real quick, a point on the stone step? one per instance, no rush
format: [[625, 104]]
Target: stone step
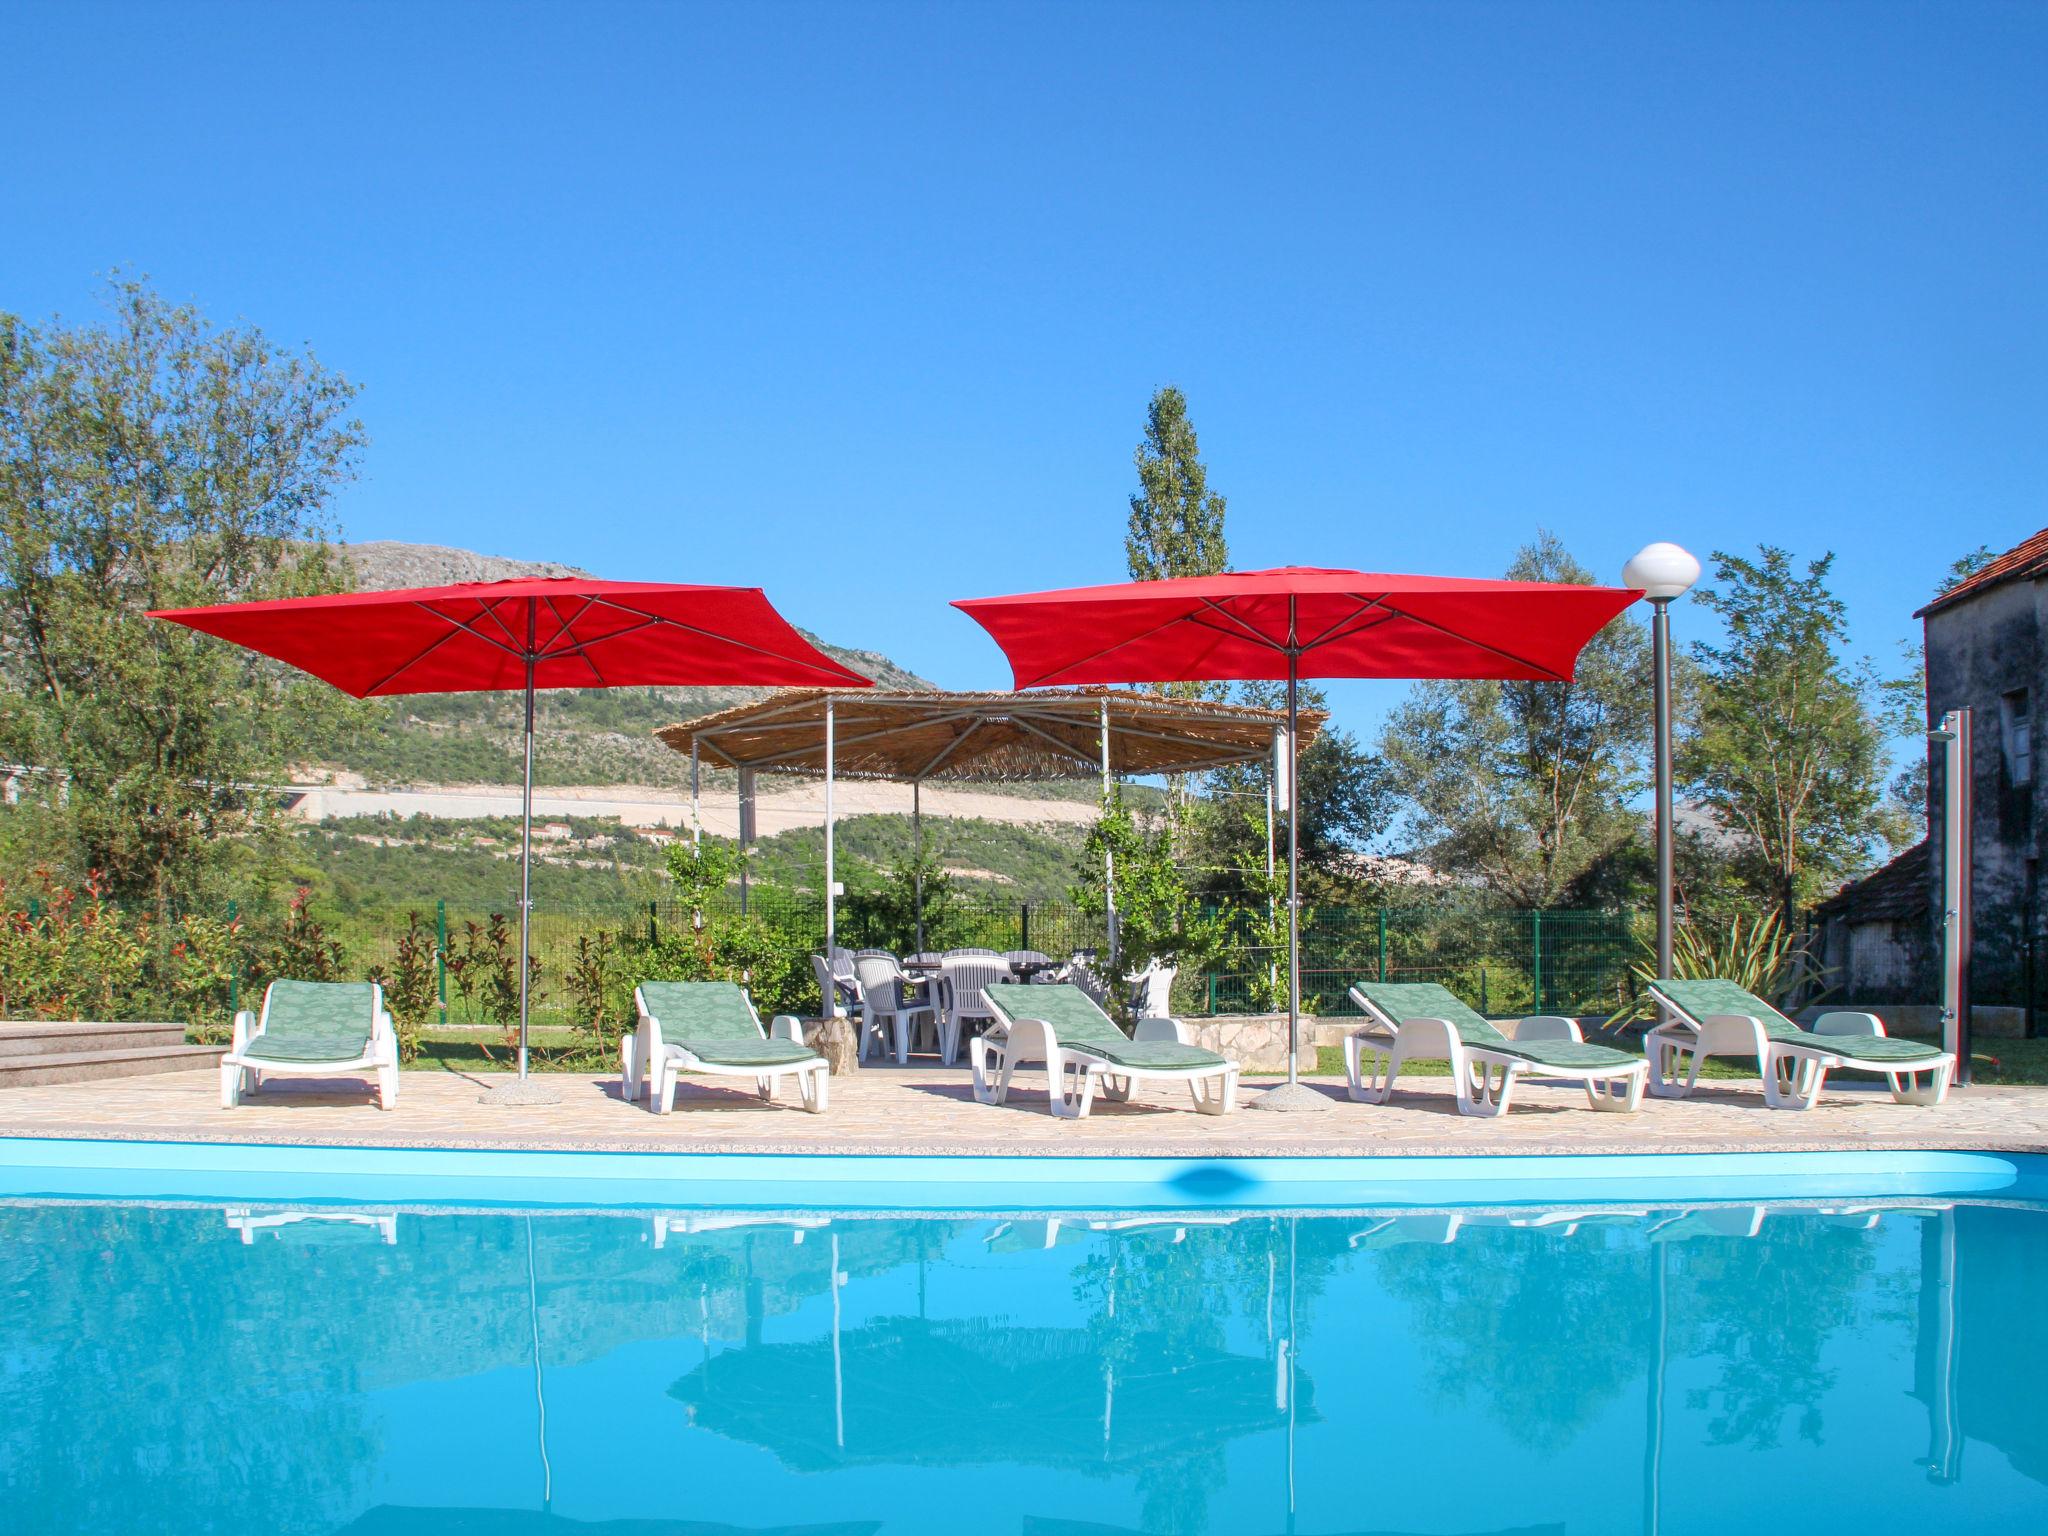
[[41, 1037], [88, 1066]]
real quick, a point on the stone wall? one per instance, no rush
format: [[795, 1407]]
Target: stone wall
[[1980, 652], [1258, 1041], [1987, 1023]]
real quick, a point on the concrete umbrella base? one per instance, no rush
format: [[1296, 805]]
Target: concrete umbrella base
[[509, 1095], [1293, 1099]]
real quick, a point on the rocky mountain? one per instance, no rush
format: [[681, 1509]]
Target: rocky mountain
[[584, 737], [381, 564]]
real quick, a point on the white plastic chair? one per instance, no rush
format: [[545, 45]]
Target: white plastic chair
[[884, 1003], [967, 979]]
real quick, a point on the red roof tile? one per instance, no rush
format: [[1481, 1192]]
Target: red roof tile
[[2027, 558]]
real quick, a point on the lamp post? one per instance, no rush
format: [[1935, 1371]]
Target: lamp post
[[1662, 573]]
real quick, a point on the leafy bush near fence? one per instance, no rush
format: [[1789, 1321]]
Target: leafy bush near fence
[[411, 983], [747, 950], [67, 952]]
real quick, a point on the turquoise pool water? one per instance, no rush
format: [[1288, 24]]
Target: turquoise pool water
[[1835, 1364]]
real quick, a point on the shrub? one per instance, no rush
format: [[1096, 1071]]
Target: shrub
[[409, 984], [600, 993], [739, 949], [298, 949], [67, 954], [489, 971], [1758, 954], [205, 954]]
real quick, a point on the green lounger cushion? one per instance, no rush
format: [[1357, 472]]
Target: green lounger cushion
[[1696, 999], [714, 1022], [738, 1053], [1405, 1000], [316, 1021], [1082, 1027]]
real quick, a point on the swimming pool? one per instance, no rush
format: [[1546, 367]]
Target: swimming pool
[[1666, 1365]]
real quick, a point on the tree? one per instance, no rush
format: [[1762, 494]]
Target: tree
[[1907, 697], [1176, 529], [1176, 526], [1526, 785], [1347, 802], [158, 461], [1157, 917], [1788, 744], [1961, 570]]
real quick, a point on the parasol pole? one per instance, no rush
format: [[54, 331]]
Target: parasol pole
[[526, 845], [1293, 855], [1294, 1096]]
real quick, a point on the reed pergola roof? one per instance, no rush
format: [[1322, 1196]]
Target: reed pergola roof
[[993, 737]]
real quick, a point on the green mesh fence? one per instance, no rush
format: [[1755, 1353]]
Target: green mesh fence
[[1499, 962], [1502, 963]]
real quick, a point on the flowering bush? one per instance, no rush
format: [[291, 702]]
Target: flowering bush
[[66, 954], [409, 982]]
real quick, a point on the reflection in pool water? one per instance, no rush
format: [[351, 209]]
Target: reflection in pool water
[[1814, 1367]]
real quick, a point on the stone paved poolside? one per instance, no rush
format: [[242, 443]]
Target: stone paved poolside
[[931, 1110]]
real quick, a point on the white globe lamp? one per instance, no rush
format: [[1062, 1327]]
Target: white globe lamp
[[1661, 572]]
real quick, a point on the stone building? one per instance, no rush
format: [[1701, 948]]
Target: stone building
[[1876, 937], [1985, 651]]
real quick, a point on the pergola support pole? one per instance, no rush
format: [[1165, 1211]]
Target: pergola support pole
[[831, 885], [1108, 854], [917, 852], [747, 830], [696, 809]]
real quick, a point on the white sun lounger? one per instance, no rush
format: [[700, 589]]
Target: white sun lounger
[[1421, 1021], [1060, 1025], [711, 1027], [1719, 1018], [313, 1029]]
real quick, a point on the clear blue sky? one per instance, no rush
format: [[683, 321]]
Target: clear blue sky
[[863, 303]]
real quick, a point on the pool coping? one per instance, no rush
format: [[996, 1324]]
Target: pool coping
[[273, 1173], [1140, 1144]]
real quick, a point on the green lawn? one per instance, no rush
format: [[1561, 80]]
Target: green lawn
[[1993, 1061], [478, 1050]]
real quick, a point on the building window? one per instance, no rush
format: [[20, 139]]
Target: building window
[[2016, 727]]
